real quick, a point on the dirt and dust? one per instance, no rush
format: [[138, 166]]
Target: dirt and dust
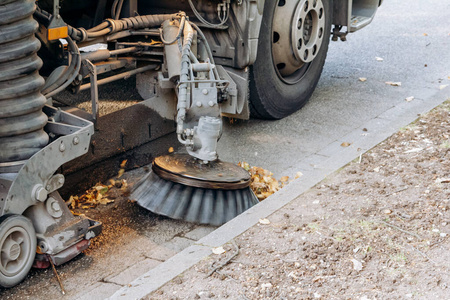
[[377, 229]]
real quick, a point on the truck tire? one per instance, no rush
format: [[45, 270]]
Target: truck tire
[[293, 45]]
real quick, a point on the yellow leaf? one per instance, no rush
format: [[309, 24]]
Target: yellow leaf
[[345, 144], [362, 79], [171, 150], [124, 162], [121, 171]]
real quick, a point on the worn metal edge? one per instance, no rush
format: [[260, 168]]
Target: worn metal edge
[[181, 262]]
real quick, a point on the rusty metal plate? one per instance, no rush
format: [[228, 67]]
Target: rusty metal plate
[[187, 170]]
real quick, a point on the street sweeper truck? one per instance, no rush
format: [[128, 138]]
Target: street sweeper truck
[[194, 61]]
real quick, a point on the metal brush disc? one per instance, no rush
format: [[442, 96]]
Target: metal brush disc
[[190, 171]]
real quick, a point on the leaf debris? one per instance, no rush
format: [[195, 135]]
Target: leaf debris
[[394, 83], [96, 195], [262, 181]]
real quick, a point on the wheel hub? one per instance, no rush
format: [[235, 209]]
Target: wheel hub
[[14, 251], [11, 260], [187, 170], [298, 31]]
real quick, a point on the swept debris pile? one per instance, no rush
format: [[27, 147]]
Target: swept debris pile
[[263, 183], [98, 194]]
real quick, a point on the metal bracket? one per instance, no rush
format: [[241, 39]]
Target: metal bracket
[[92, 69], [73, 138]]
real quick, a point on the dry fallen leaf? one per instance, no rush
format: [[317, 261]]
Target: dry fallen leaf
[[122, 165], [264, 221], [298, 175], [362, 79], [218, 250], [409, 99], [379, 59], [345, 144], [425, 34], [284, 179], [443, 86], [121, 171], [393, 83], [357, 265], [171, 150]]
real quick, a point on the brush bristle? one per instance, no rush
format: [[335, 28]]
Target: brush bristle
[[198, 205]]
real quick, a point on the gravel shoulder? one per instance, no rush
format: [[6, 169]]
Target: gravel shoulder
[[377, 228]]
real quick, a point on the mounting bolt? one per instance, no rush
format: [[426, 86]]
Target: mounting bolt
[[53, 208], [205, 92], [39, 193], [56, 207], [199, 104], [43, 246], [76, 140], [211, 103], [62, 147]]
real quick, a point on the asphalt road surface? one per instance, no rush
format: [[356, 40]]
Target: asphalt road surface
[[413, 40]]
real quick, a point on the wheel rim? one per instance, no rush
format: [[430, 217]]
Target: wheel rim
[[15, 248], [298, 29]]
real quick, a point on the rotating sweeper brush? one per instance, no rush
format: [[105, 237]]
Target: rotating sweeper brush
[[196, 187], [182, 187]]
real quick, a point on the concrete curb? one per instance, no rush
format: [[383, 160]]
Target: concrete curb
[[334, 157]]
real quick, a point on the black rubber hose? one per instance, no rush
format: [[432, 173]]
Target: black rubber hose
[[111, 26], [74, 69]]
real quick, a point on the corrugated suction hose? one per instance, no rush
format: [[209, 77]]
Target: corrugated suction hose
[[21, 117]]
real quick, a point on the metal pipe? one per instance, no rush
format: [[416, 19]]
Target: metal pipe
[[119, 76], [104, 54]]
